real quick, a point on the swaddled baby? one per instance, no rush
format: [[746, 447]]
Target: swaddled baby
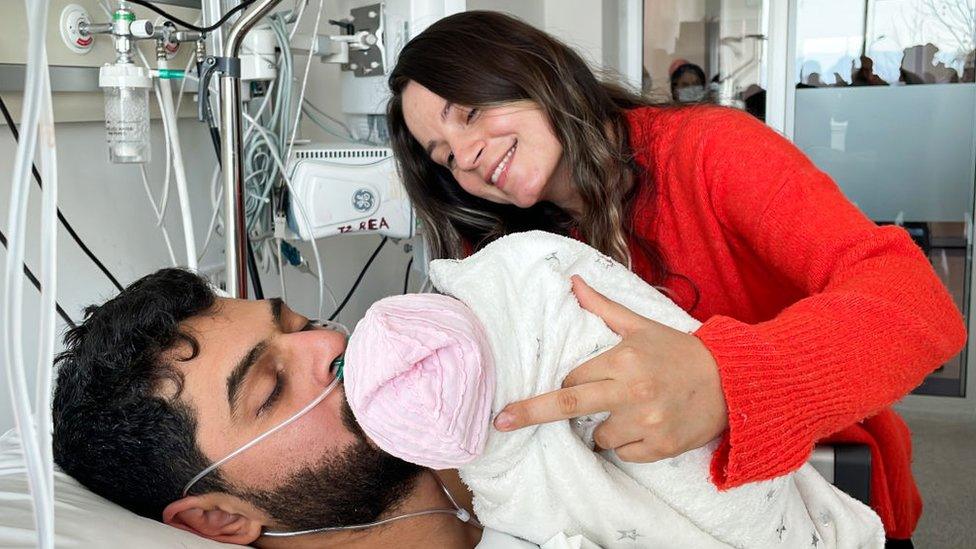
[[426, 373]]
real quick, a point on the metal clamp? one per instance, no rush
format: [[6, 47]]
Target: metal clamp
[[228, 66]]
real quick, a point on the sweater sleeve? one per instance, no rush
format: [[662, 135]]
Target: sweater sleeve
[[875, 319]]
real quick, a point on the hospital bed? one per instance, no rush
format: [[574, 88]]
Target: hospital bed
[[85, 520]]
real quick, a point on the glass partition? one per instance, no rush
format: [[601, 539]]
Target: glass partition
[[706, 50], [886, 104]]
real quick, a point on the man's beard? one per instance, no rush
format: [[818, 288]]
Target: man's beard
[[351, 488]]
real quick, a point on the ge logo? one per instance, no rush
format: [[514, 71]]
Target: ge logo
[[363, 200]]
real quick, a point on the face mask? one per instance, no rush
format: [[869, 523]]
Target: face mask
[[337, 365], [691, 94]]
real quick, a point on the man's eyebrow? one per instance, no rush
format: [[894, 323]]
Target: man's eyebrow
[[239, 373], [444, 111]]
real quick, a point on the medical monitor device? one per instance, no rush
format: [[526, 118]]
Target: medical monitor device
[[347, 189]]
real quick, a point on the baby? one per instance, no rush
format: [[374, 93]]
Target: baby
[[426, 373]]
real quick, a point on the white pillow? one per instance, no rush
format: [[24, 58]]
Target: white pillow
[[81, 518]]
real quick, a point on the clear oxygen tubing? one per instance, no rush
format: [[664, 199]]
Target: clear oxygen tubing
[[169, 115], [461, 513], [47, 150], [34, 87]]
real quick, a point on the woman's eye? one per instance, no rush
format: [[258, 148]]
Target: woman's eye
[[471, 114]]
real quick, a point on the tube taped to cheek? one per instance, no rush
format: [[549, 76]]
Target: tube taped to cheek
[[420, 379]]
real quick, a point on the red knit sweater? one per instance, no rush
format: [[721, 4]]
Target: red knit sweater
[[818, 319]]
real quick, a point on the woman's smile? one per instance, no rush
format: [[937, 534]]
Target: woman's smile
[[500, 173]]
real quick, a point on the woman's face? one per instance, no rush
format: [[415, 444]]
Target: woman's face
[[507, 154]]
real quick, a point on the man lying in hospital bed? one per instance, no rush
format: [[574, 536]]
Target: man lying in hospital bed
[[166, 380]]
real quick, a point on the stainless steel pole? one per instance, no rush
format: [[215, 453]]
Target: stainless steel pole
[[211, 11], [235, 243]]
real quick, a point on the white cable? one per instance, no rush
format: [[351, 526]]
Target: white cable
[[161, 211], [145, 184], [298, 19], [47, 151], [163, 92], [215, 202], [164, 202], [169, 116], [305, 218], [301, 93], [186, 76], [264, 104], [34, 88], [281, 272]]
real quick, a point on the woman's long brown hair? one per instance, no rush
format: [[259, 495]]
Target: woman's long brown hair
[[484, 59]]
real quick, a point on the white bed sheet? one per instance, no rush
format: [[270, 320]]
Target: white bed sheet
[[81, 518]]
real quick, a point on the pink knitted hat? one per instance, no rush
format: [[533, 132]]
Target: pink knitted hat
[[419, 378]]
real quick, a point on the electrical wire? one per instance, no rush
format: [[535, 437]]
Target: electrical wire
[[308, 64], [67, 226], [312, 116], [230, 13], [327, 116], [406, 276], [359, 278], [302, 213], [211, 228], [37, 284], [301, 12]]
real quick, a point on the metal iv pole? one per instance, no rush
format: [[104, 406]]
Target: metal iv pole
[[235, 233]]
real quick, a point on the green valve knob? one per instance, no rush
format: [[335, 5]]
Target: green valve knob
[[171, 74]]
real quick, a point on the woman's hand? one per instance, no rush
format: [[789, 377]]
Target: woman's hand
[[661, 387]]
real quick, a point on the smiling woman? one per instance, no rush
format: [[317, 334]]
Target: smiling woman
[[814, 319], [534, 140]]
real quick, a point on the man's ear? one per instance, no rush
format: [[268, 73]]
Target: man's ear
[[216, 516]]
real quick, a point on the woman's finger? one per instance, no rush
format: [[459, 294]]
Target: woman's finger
[[637, 452], [615, 432], [618, 318], [598, 368], [559, 405]]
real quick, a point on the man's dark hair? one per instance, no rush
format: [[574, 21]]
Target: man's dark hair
[[113, 431]]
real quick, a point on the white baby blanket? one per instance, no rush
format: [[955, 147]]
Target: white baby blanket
[[540, 481]]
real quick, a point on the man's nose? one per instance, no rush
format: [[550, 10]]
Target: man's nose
[[330, 347]]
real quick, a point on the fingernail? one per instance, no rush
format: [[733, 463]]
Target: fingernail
[[504, 421]]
